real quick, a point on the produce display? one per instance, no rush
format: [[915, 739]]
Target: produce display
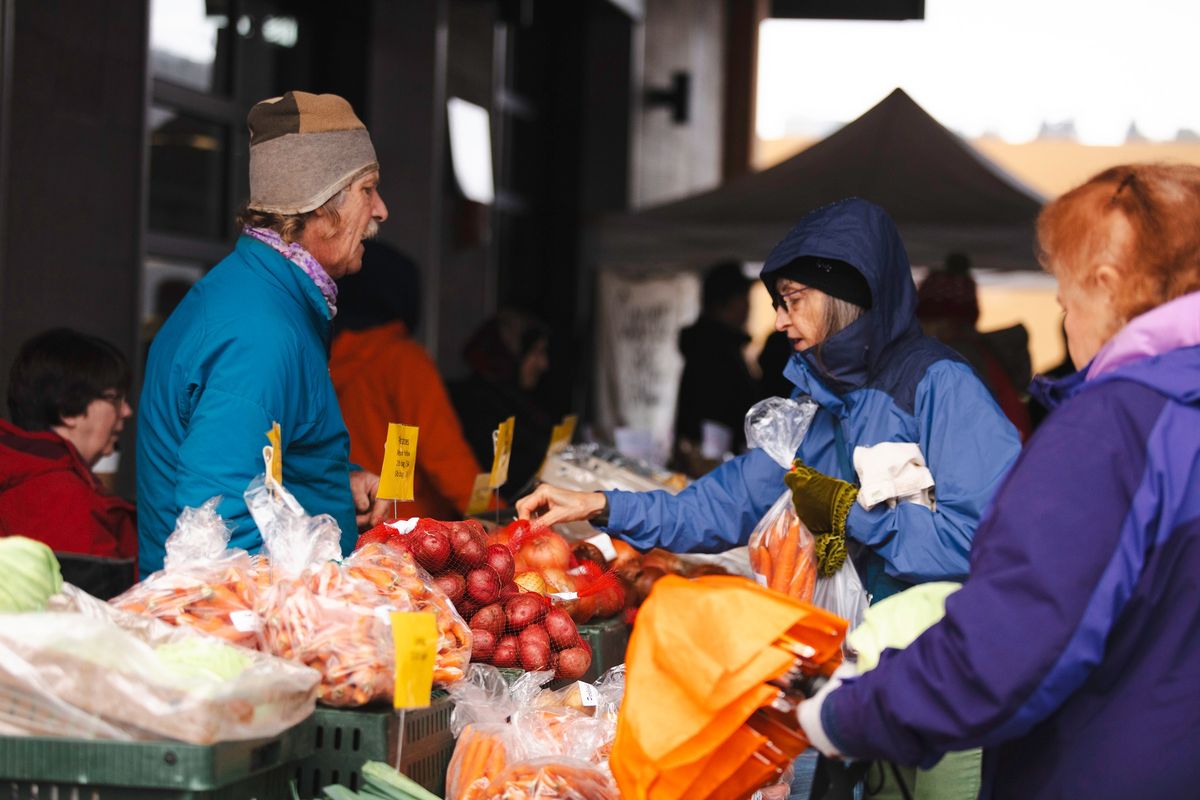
[[522, 741], [85, 668], [512, 624], [298, 601]]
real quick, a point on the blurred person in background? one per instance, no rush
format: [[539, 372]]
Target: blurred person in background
[[383, 375], [771, 363], [507, 357], [67, 399], [248, 345], [1070, 652], [948, 308], [716, 388]]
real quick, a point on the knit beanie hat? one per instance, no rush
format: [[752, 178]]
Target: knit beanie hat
[[949, 293], [831, 276], [304, 148]]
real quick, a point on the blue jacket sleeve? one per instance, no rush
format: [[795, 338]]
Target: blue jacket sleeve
[[969, 446], [1054, 564], [715, 513]]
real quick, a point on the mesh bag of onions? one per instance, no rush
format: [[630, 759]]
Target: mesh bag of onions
[[510, 626]]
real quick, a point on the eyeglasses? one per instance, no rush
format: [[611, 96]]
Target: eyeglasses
[[785, 301], [114, 397]]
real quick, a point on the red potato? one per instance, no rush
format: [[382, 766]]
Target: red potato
[[453, 584], [534, 656], [431, 549], [523, 610], [505, 654], [573, 663], [483, 585], [534, 634], [471, 553], [561, 629], [509, 589], [500, 558], [490, 618], [483, 644]]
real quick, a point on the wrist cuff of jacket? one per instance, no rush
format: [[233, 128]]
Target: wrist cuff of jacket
[[601, 519]]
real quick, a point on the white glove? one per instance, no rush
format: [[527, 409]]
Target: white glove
[[809, 714]]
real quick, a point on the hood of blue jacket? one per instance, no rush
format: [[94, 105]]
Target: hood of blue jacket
[[864, 236]]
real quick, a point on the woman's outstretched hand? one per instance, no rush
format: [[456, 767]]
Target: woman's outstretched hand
[[551, 505]]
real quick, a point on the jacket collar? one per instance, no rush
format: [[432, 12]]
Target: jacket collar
[[1169, 327], [291, 280]]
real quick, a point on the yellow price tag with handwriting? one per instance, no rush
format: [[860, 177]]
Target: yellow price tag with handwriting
[[504, 441], [415, 638], [481, 494], [399, 463], [560, 437], [275, 437]]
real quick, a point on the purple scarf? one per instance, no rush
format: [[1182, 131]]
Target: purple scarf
[[301, 258]]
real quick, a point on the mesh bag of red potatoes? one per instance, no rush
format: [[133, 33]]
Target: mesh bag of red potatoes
[[510, 627]]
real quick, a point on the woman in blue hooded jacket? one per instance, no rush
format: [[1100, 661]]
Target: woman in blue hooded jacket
[[844, 294]]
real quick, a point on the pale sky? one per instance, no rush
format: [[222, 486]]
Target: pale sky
[[999, 66]]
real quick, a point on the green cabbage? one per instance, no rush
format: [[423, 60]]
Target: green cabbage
[[197, 659], [31, 574]]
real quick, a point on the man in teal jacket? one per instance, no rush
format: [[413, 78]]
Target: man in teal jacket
[[248, 346]]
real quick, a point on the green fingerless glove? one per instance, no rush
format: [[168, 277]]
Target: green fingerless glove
[[822, 503]]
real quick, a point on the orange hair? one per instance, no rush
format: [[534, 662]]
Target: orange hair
[[1141, 219]]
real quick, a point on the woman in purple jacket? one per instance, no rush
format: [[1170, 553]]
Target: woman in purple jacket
[[1072, 653]]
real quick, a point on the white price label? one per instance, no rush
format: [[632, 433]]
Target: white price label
[[244, 621], [603, 543], [762, 579], [588, 694], [565, 596]]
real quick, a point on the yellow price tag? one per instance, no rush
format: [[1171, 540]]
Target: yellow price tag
[[560, 437], [275, 437], [415, 638], [481, 494], [399, 463], [504, 440]]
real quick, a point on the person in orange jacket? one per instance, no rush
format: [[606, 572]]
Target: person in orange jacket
[[382, 375]]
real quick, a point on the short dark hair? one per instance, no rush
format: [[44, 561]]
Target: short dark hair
[[723, 282], [58, 373]]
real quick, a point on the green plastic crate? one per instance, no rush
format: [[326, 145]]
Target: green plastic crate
[[37, 768], [344, 739], [609, 640]]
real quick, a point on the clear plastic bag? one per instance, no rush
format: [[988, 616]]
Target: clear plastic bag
[[86, 668], [334, 616], [781, 549], [520, 740], [844, 595], [203, 584]]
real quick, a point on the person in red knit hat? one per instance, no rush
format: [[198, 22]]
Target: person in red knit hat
[[948, 308], [67, 401]]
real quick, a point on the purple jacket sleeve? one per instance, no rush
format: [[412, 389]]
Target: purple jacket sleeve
[[1053, 565]]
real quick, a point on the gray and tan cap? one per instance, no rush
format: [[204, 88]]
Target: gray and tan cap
[[304, 148]]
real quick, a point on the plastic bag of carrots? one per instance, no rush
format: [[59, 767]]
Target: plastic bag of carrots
[[336, 616], [203, 584], [781, 548], [552, 778], [782, 551]]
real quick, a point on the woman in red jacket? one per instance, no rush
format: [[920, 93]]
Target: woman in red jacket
[[67, 400]]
